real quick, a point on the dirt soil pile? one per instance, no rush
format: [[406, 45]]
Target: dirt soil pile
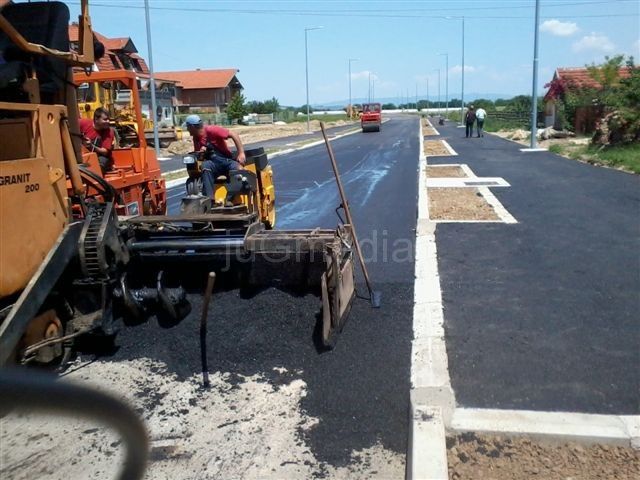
[[435, 148], [462, 204], [436, 171], [472, 456]]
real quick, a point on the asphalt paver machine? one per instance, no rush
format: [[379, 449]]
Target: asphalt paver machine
[[71, 266]]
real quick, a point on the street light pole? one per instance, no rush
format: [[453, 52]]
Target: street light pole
[[153, 114], [462, 99], [350, 104], [446, 55], [534, 93], [306, 69], [427, 95], [462, 88], [438, 70]]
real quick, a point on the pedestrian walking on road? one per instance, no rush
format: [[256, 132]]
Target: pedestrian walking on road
[[480, 116], [469, 120]]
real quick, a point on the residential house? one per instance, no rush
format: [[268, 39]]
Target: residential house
[[122, 54], [204, 90], [574, 80]]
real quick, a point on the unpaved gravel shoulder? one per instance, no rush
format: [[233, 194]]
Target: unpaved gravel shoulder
[[488, 457]]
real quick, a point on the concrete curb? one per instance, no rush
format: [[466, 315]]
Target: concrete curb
[[432, 400], [179, 181], [427, 430], [621, 430]]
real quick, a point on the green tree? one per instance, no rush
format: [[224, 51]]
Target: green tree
[[390, 106], [484, 103], [607, 75], [236, 108], [271, 106]]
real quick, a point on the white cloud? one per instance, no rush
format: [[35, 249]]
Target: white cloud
[[364, 75], [467, 69], [558, 28], [594, 42]]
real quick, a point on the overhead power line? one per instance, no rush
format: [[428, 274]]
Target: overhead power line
[[364, 13]]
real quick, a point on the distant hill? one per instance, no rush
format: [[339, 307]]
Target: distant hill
[[338, 104]]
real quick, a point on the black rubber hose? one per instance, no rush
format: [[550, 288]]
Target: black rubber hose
[[30, 390]]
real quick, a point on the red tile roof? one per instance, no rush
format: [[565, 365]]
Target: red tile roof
[[193, 79], [576, 78], [110, 60], [581, 78]]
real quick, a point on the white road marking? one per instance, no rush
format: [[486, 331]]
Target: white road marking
[[164, 159]]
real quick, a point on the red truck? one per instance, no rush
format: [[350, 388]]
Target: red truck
[[371, 117]]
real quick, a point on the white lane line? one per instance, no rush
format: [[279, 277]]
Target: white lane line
[[611, 429], [462, 182], [432, 399], [164, 159], [491, 199]]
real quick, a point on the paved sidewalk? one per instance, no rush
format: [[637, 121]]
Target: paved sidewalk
[[544, 314]]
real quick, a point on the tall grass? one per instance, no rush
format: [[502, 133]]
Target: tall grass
[[624, 156]]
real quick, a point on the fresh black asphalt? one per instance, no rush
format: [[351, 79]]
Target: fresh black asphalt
[[544, 314], [360, 390]]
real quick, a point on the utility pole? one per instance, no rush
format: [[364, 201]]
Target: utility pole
[[153, 114], [350, 104], [438, 70], [416, 96], [369, 101], [427, 94], [446, 55], [534, 93], [306, 70], [462, 99]]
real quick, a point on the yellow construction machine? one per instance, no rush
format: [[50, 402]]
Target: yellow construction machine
[[119, 101], [69, 266]]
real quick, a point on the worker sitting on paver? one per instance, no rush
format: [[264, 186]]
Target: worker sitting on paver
[[219, 161], [98, 137]]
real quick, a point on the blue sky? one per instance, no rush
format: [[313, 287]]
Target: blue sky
[[397, 41]]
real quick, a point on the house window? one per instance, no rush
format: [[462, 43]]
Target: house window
[[114, 61], [125, 60]]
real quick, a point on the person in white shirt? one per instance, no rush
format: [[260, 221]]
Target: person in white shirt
[[480, 116]]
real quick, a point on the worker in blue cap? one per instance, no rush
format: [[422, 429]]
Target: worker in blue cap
[[213, 139]]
